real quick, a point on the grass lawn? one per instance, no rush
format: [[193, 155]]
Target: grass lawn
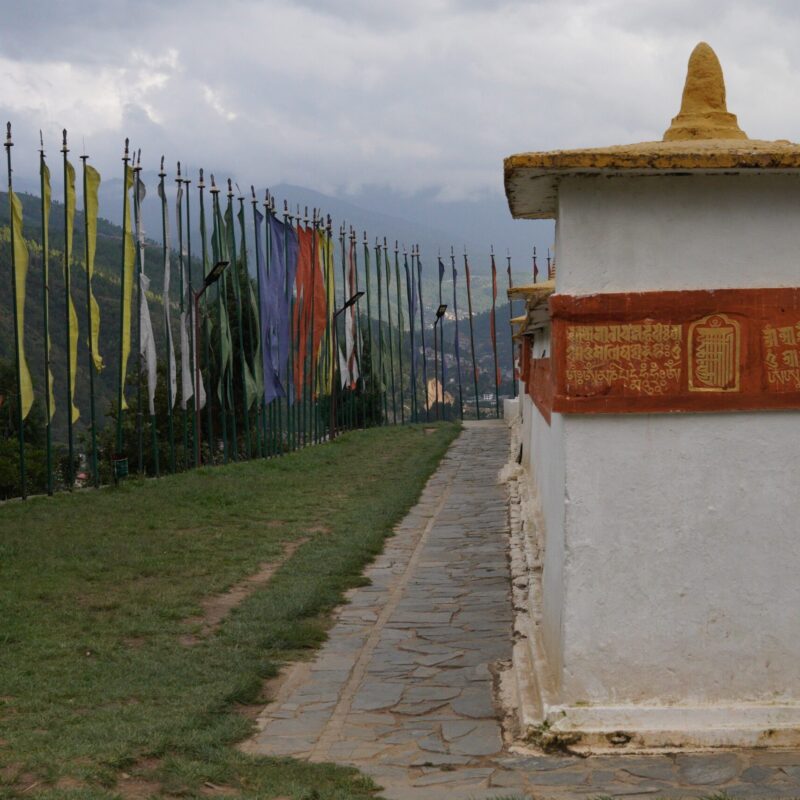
[[101, 697]]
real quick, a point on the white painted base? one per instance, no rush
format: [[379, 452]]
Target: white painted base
[[544, 722], [674, 727]]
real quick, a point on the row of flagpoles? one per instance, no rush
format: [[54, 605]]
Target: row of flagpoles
[[264, 389]]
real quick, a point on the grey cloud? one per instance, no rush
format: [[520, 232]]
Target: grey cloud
[[419, 96]]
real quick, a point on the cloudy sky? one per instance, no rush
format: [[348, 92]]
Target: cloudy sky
[[348, 95]]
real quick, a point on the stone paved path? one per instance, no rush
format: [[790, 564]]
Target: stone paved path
[[404, 688]]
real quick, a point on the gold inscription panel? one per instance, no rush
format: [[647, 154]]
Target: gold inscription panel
[[676, 351], [639, 358], [781, 355]]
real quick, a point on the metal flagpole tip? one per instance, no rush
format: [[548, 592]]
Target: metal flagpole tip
[[161, 172], [63, 138], [201, 183], [9, 143], [125, 154], [178, 178]]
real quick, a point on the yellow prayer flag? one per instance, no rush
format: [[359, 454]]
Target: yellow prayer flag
[[72, 333], [92, 186], [129, 258], [21, 269], [46, 196], [324, 378]]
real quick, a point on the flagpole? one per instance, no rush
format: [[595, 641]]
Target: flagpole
[[139, 421], [274, 405], [20, 431], [312, 360], [291, 403], [381, 377], [182, 310], [359, 339], [381, 381], [493, 321], [45, 203], [263, 449], [472, 335], [193, 357], [440, 377], [234, 437], [237, 293], [137, 215], [422, 335], [166, 303], [331, 352], [388, 271], [67, 283], [411, 322], [456, 345], [304, 360], [122, 370], [367, 397], [399, 330], [510, 317], [221, 300], [253, 327], [204, 255], [95, 474], [436, 404], [344, 316]]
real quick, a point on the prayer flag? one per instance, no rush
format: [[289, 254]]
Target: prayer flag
[[129, 259], [46, 197], [92, 187], [171, 366], [72, 326], [21, 270], [147, 345]]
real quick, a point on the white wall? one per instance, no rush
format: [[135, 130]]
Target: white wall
[[543, 456], [682, 558], [628, 234], [672, 571]]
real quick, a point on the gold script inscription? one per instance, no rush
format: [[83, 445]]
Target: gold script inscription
[[628, 358], [781, 343], [715, 354]]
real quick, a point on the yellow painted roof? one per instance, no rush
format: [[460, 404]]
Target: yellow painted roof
[[703, 137]]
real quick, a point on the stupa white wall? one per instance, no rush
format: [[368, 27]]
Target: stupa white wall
[[646, 233], [668, 609], [672, 541]]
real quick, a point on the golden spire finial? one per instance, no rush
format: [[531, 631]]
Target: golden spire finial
[[704, 113]]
